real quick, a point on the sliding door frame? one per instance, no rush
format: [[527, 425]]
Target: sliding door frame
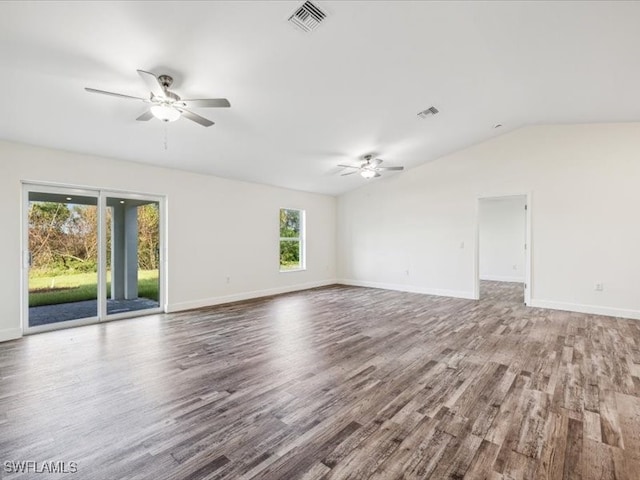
[[101, 198]]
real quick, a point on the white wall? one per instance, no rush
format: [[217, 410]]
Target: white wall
[[416, 231], [217, 228], [502, 233]]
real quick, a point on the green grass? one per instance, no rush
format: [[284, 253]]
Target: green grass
[[52, 290]]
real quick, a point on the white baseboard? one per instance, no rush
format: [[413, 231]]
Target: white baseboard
[[10, 334], [408, 288], [591, 309], [499, 278], [237, 297]]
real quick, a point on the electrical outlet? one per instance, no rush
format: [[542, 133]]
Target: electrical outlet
[[228, 279], [406, 272], [515, 267], [599, 287]]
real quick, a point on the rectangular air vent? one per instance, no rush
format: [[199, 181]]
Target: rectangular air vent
[[427, 112], [307, 17]]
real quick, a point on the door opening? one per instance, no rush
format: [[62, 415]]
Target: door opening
[[503, 265]]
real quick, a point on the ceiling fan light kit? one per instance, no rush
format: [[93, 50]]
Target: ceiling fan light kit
[[166, 105], [165, 113]]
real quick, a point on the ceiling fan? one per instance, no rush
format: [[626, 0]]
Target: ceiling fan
[[369, 167], [166, 105]]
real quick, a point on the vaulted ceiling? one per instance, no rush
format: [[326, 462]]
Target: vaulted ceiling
[[304, 102]]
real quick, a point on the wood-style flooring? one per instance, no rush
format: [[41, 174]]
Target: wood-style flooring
[[331, 383]]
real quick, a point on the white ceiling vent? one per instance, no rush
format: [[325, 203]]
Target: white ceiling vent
[[429, 111], [307, 17]]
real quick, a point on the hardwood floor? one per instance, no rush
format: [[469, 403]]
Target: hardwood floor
[[332, 383]]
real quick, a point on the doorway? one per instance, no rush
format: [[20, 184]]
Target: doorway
[[89, 256], [503, 247]]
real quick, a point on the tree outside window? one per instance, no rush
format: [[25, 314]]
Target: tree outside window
[[291, 239]]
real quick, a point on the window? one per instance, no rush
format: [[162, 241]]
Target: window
[[291, 239]]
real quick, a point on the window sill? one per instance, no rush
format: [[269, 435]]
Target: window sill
[[293, 270]]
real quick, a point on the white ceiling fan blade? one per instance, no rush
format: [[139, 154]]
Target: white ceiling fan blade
[[390, 168], [349, 166], [196, 118], [112, 94], [206, 103], [152, 83], [348, 173], [145, 116]]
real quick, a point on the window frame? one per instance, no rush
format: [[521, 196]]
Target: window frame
[[301, 239]]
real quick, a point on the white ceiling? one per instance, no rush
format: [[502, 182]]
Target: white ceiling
[[302, 103]]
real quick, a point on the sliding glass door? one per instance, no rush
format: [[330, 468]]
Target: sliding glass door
[[62, 256], [133, 254], [89, 255]]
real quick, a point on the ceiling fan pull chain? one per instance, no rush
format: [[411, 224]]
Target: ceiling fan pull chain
[[166, 142]]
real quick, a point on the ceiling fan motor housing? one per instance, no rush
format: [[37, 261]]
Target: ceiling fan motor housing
[[165, 80]]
